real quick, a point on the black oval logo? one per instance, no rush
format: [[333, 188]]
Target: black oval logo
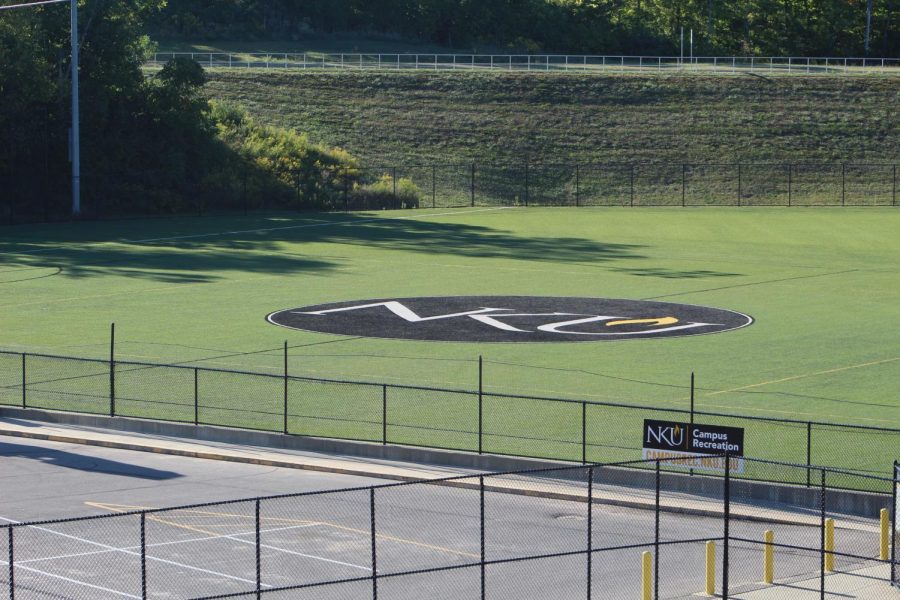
[[510, 319]]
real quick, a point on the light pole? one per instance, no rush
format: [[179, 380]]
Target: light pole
[[76, 120]]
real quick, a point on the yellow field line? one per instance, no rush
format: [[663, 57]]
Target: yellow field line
[[120, 508], [795, 377]]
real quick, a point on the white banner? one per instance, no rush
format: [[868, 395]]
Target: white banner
[[691, 460]]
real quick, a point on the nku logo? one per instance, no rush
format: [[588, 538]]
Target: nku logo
[[509, 319], [664, 436]]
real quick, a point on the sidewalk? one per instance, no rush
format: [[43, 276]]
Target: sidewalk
[[865, 584]]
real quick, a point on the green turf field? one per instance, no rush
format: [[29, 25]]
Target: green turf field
[[823, 285]]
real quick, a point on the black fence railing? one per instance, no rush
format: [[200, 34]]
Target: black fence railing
[[458, 185], [453, 419], [644, 529]]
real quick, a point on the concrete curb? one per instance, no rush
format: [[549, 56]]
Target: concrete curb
[[759, 501]]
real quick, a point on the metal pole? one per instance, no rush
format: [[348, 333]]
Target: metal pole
[[11, 561], [808, 454], [727, 513], [632, 185], [481, 489], [526, 183], [374, 544], [473, 184], [683, 183], [24, 383], [822, 540], [285, 430], [112, 370], [895, 520], [143, 556], [590, 531], [843, 184], [584, 433], [384, 415], [656, 538], [577, 181], [76, 119], [196, 396], [740, 187], [258, 554], [433, 185], [480, 405], [790, 177]]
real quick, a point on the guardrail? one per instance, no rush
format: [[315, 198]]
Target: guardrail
[[538, 63]]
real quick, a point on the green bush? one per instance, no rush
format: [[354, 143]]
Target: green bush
[[382, 194]]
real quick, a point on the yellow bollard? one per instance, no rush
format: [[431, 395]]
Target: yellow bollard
[[710, 568], [885, 534], [829, 545], [769, 561], [647, 579]]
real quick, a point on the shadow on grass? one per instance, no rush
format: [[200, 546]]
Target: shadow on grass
[[201, 250]]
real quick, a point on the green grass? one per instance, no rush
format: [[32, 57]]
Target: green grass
[[821, 284], [413, 118]]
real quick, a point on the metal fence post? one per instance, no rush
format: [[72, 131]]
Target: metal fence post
[[196, 396], [384, 415], [895, 522], [433, 185], [258, 554], [727, 513], [584, 433], [374, 543], [577, 178], [632, 185], [822, 540], [590, 532], [473, 184], [24, 384], [843, 184], [11, 561], [286, 380], [894, 188], [740, 184], [683, 183], [480, 405], [790, 178], [112, 370], [481, 492], [808, 454], [144, 556], [526, 183], [656, 537]]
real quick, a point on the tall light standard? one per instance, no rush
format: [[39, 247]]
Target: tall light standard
[[76, 120]]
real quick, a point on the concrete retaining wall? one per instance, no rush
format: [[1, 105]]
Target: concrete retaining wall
[[774, 495]]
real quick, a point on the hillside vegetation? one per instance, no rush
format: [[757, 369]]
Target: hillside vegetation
[[385, 118]]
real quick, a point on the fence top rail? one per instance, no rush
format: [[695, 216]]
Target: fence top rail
[[860, 474], [684, 411], [747, 57]]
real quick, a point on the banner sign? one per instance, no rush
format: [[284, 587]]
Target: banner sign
[[693, 446]]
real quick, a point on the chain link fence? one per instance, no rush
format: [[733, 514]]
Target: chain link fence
[[474, 184], [646, 529], [462, 420], [538, 63]]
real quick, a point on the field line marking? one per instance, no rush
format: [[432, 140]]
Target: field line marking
[[318, 223], [70, 580], [214, 535], [805, 375], [323, 523], [132, 553]]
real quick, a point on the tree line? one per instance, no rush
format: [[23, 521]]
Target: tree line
[[724, 27], [151, 142]]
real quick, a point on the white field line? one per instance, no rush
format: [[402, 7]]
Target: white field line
[[318, 223], [75, 581], [131, 553], [234, 537]]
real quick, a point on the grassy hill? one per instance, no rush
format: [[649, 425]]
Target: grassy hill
[[458, 117]]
